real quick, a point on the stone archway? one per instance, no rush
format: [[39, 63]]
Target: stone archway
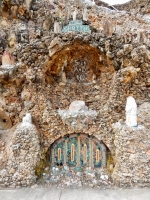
[[79, 62], [78, 151], [78, 160]]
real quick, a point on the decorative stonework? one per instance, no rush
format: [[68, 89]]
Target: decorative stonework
[[76, 25], [55, 68], [78, 150], [78, 117]]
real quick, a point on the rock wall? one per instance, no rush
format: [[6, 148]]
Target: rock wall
[[20, 155], [133, 156], [43, 71], [140, 6]]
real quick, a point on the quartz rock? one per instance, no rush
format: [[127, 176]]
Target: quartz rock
[[85, 14], [77, 106], [57, 28]]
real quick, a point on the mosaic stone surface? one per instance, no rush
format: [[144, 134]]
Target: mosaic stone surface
[[78, 150], [76, 25]]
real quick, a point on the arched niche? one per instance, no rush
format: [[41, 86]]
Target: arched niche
[[78, 152], [81, 63]]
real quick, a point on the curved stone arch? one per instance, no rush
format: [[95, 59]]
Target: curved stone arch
[[62, 54], [61, 141]]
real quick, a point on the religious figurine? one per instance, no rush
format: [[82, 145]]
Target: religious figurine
[[131, 112], [85, 14], [75, 14], [27, 119]]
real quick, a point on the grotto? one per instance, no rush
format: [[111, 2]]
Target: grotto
[[74, 94]]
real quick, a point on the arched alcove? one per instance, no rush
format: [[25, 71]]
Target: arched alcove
[[81, 63], [78, 151], [79, 159]]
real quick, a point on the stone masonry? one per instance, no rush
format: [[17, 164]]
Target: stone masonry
[[42, 72]]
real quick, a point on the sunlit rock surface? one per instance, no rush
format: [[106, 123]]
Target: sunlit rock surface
[[78, 116], [44, 70]]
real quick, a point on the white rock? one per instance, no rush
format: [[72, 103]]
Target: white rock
[[77, 106]]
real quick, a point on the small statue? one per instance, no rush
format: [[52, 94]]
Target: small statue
[[27, 119], [131, 112]]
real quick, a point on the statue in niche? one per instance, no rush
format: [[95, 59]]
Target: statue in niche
[[85, 14], [75, 14], [131, 112]]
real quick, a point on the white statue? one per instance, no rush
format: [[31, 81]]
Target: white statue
[[75, 14], [27, 119], [85, 14], [131, 112], [57, 28]]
